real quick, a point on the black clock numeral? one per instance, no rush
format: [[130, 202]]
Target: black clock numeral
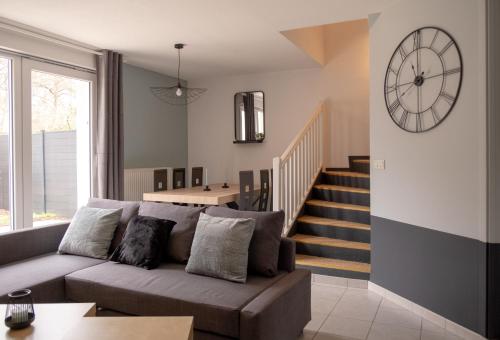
[[434, 39], [452, 71], [390, 89], [403, 120], [416, 40], [402, 52], [419, 123], [435, 115], [394, 106], [448, 97], [445, 48]]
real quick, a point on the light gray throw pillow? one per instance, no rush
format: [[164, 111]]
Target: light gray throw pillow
[[90, 232], [220, 247]]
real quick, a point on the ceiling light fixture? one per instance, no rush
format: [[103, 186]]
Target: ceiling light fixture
[[177, 94]]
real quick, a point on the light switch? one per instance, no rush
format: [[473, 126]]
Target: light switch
[[379, 164], [160, 185]]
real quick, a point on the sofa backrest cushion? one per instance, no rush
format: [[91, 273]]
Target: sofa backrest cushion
[[287, 255], [181, 237], [129, 210], [265, 245]]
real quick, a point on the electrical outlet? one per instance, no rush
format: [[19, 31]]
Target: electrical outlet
[[379, 164]]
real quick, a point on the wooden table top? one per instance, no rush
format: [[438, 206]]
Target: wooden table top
[[133, 328], [52, 321], [77, 321], [196, 195]]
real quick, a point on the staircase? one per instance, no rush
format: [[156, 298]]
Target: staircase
[[333, 231]]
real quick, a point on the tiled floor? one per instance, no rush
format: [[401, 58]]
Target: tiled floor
[[347, 313]]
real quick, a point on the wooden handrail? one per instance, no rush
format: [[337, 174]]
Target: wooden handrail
[[295, 171]]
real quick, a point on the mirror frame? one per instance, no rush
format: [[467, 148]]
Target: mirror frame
[[236, 141]]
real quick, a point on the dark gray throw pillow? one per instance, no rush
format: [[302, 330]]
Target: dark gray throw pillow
[[264, 249], [144, 243], [220, 247], [181, 238], [90, 232]]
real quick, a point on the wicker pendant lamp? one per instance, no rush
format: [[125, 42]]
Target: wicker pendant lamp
[[177, 94]]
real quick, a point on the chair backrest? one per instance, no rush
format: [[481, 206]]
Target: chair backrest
[[264, 190], [246, 190], [271, 192], [197, 176], [179, 178]]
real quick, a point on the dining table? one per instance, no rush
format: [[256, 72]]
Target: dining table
[[217, 195]]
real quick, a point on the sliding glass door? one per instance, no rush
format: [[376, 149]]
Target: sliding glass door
[[47, 170], [5, 153]]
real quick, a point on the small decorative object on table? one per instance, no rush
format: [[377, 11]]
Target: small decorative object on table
[[225, 186], [20, 312], [207, 188]]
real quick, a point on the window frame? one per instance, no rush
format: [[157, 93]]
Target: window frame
[[20, 134]]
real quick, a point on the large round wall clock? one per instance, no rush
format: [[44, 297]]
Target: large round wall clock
[[423, 79]]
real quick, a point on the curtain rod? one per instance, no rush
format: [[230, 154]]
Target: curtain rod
[[47, 38]]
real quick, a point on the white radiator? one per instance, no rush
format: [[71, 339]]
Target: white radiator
[[139, 181]]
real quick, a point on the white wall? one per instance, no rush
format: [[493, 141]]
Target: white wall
[[290, 98], [435, 179]]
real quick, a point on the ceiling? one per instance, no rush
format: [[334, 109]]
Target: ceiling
[[223, 37]]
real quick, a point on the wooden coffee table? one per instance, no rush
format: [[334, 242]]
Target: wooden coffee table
[[77, 321]]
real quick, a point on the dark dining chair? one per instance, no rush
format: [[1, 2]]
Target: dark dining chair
[[197, 176], [264, 190], [179, 178], [246, 201], [271, 179]]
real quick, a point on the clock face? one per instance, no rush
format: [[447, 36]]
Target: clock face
[[423, 79]]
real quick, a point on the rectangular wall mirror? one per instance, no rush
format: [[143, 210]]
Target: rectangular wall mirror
[[249, 117]]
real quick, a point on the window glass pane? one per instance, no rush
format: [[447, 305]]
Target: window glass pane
[[5, 206], [60, 146]]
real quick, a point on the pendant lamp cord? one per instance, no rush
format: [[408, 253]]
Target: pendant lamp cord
[[179, 68]]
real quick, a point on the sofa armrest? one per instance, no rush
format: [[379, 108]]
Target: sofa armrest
[[286, 259], [25, 243], [281, 311]]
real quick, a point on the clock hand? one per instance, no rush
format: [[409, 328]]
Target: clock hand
[[413, 68], [408, 89]]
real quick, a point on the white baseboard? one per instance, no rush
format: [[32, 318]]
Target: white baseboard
[[425, 313]]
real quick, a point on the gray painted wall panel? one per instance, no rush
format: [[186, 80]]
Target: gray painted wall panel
[[155, 133], [443, 272]]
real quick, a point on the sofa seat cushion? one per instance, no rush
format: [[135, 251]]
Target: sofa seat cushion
[[44, 275], [167, 290]]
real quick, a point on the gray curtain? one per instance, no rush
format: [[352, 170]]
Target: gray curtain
[[108, 166]]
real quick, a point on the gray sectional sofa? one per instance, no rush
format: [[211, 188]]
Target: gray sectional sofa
[[263, 308]]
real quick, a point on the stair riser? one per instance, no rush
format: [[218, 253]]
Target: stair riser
[[356, 182], [347, 254], [347, 234], [361, 167], [336, 272], [339, 214], [341, 196]]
